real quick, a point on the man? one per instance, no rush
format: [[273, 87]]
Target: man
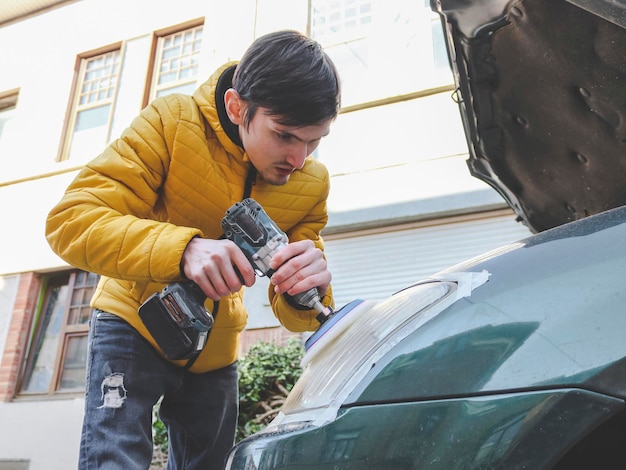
[[147, 212]]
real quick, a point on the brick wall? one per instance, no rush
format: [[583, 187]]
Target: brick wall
[[19, 330]]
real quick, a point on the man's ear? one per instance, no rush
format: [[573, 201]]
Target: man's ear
[[235, 107]]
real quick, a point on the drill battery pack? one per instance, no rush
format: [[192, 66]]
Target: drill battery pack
[[178, 320]]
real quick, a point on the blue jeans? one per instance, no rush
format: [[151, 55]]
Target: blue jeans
[[125, 379]]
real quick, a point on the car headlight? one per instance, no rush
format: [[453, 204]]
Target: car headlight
[[334, 370]]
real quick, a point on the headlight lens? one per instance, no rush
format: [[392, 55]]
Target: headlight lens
[[335, 369]]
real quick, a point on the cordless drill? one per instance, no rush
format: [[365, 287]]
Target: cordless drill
[[247, 225], [177, 318]]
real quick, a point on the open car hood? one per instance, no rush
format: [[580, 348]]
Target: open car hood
[[541, 86]]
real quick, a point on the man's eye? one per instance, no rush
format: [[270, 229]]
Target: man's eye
[[285, 137]]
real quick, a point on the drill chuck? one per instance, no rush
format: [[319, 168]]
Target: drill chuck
[[311, 299]]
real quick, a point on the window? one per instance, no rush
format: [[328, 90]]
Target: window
[[8, 102], [382, 48], [92, 111], [176, 62], [58, 345]]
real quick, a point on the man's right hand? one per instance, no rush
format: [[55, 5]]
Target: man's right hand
[[213, 265]]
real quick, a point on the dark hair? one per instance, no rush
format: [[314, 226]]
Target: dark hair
[[290, 75]]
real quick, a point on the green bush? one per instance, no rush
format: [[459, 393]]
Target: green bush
[[159, 440], [267, 374]]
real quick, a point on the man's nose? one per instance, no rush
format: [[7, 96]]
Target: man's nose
[[298, 155]]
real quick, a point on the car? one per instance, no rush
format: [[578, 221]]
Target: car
[[515, 359]]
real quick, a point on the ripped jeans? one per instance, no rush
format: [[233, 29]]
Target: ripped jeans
[[125, 378]]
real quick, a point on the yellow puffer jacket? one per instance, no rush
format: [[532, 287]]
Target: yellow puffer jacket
[[171, 176]]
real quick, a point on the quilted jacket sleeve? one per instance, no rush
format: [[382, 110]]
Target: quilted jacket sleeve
[[103, 222]]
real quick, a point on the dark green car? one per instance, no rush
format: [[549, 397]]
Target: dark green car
[[515, 359]]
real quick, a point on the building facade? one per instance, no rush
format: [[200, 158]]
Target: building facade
[[74, 74]]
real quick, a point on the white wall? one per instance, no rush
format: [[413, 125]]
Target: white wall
[[41, 65], [395, 153], [45, 432]]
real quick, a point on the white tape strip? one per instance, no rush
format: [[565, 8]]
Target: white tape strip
[[466, 281]]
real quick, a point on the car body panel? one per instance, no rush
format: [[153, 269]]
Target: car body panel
[[526, 430], [542, 96]]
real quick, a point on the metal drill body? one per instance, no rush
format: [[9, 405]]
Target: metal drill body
[[247, 224]]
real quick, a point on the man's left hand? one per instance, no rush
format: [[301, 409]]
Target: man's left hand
[[299, 267]]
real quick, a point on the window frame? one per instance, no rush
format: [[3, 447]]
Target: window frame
[[66, 331], [74, 105], [364, 31], [151, 88], [8, 104], [8, 98]]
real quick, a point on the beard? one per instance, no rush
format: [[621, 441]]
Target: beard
[[273, 178]]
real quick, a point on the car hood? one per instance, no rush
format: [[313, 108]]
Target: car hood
[[541, 90]]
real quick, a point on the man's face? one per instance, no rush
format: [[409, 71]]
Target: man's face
[[275, 150]]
